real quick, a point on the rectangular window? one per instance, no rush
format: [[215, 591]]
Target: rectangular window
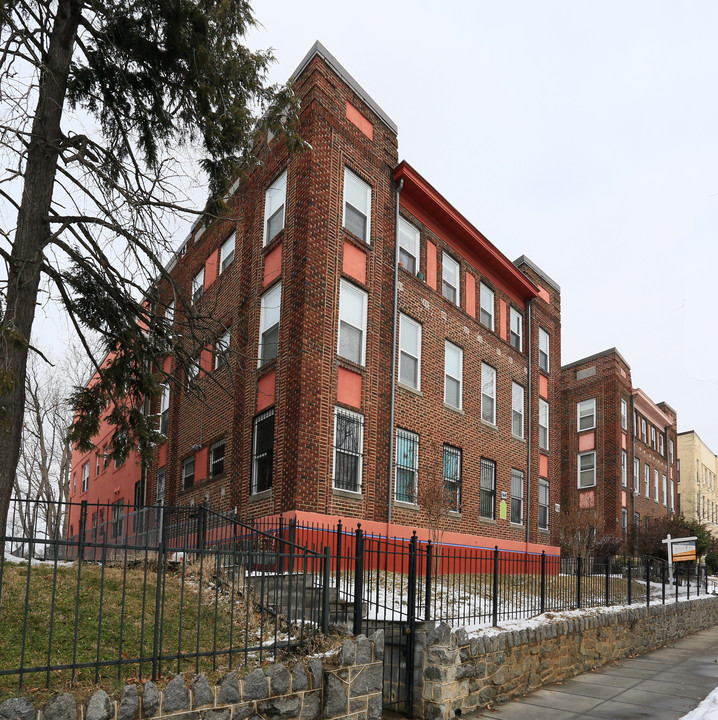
[[352, 323], [586, 469], [452, 477], [409, 352], [673, 503], [636, 476], [488, 394], [586, 414], [486, 302], [543, 424], [165, 408], [516, 329], [348, 449], [450, 279], [624, 520], [653, 437], [643, 431], [624, 468], [85, 476], [453, 374], [221, 350], [661, 445], [274, 208], [262, 452], [198, 285], [665, 490], [269, 324], [74, 484], [543, 504], [647, 480], [216, 459], [226, 252], [192, 372], [97, 463], [543, 350], [357, 206], [118, 514], [170, 314], [408, 246], [624, 414], [635, 425], [517, 496], [407, 466], [636, 521], [188, 473], [670, 451], [488, 489], [655, 485], [517, 410], [160, 489]]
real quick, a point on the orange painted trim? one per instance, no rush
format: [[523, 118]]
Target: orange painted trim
[[356, 118], [471, 295], [425, 203], [543, 294], [162, 455], [586, 441], [502, 320], [210, 269], [272, 265], [431, 264], [543, 386], [354, 262], [349, 385], [266, 389], [200, 465], [543, 465]]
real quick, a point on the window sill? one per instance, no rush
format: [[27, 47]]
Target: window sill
[[544, 531], [487, 521], [492, 426], [351, 494], [458, 411], [520, 438], [410, 389], [455, 514], [268, 247], [350, 364], [356, 239], [407, 505], [258, 497], [515, 524]]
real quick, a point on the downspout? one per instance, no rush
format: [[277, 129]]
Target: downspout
[[393, 356], [529, 429], [633, 456]]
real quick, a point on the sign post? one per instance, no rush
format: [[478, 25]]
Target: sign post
[[679, 550]]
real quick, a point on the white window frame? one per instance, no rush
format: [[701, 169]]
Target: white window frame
[[221, 350], [452, 494], [644, 433], [359, 418], [270, 314], [589, 469], [516, 329], [487, 301], [647, 480], [488, 394], [198, 285], [670, 450], [450, 266], [407, 352], [409, 245], [517, 493], [276, 192], [85, 476], [213, 461], [347, 293], [624, 414], [664, 480], [517, 409], [636, 476], [544, 348], [170, 314], [258, 458], [165, 408], [661, 445], [586, 409], [653, 437], [656, 495], [544, 489], [449, 347], [185, 465], [624, 468], [351, 178], [405, 439], [543, 424], [226, 252]]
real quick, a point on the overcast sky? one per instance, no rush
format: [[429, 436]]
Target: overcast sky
[[584, 135]]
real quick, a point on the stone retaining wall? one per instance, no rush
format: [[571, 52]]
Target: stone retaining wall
[[345, 685], [458, 671]]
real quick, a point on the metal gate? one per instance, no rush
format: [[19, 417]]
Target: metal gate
[[385, 598]]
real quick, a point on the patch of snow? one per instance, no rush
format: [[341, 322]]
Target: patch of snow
[[14, 560], [707, 710]]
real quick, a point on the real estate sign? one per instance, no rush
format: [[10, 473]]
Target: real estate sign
[[684, 550]]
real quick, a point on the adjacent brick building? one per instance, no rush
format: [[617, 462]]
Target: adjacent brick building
[[619, 458], [339, 382], [698, 490]]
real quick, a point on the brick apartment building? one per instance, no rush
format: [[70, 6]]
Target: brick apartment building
[[619, 456], [698, 489], [357, 382]]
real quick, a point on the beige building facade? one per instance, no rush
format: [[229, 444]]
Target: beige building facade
[[698, 489]]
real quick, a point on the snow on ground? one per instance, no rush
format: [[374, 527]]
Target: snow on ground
[[21, 561], [707, 710]]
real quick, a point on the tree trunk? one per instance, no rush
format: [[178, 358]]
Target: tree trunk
[[31, 237]]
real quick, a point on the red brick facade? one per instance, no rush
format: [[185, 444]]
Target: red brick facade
[[614, 438], [331, 380]]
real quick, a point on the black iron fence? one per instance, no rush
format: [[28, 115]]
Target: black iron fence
[[135, 592]]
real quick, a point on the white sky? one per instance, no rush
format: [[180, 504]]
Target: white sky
[[584, 135]]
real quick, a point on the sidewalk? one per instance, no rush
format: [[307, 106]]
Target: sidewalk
[[664, 684]]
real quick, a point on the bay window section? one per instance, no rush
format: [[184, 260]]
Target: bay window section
[[352, 323]]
